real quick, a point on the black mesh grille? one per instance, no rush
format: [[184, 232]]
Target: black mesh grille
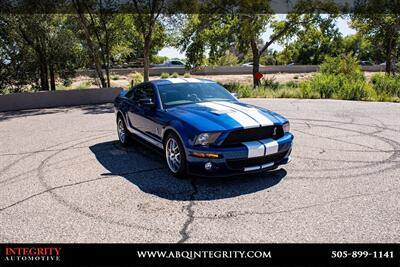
[[239, 164], [253, 134]]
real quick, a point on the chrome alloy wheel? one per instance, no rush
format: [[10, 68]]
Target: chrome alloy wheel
[[173, 155], [121, 131]]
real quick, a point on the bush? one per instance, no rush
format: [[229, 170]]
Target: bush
[[164, 75], [270, 83], [344, 64], [136, 78], [291, 84], [67, 82], [187, 75], [175, 75], [243, 90], [386, 85], [114, 77], [337, 86]]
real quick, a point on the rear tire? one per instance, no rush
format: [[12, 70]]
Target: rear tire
[[124, 136], [175, 155]]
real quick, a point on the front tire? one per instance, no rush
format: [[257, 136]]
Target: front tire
[[175, 155], [123, 133]]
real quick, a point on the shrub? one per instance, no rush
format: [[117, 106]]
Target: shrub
[[175, 75], [164, 75], [356, 90], [243, 90], [343, 64], [291, 84], [187, 75], [136, 78], [270, 83], [337, 86], [114, 77], [386, 85], [295, 77], [67, 82]]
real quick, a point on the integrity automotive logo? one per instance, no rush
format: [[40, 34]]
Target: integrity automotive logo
[[31, 254]]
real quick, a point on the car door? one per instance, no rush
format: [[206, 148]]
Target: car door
[[142, 116]]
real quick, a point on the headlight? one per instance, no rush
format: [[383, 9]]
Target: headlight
[[286, 127], [206, 138]]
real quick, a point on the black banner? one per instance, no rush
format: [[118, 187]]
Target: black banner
[[200, 6], [200, 254]]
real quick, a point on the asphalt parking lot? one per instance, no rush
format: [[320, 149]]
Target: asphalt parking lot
[[64, 178]]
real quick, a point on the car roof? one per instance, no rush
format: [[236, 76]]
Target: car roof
[[180, 80]]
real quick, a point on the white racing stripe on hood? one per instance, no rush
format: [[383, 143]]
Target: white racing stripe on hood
[[240, 117], [252, 112]]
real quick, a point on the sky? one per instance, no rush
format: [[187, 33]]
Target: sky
[[341, 23]]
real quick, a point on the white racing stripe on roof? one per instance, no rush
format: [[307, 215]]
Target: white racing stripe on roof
[[252, 112], [241, 118], [192, 80], [176, 80]]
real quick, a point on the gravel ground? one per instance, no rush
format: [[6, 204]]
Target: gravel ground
[[64, 178]]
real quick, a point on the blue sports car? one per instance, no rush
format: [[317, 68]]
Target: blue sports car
[[202, 128]]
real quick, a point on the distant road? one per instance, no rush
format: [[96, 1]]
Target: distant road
[[227, 70]]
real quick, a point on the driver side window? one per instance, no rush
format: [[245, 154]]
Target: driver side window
[[144, 91]]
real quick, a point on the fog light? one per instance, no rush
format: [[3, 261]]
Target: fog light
[[208, 166]]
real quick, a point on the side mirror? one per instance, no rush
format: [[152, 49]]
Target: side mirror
[[147, 103]]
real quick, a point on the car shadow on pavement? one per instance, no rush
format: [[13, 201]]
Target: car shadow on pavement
[[144, 167]]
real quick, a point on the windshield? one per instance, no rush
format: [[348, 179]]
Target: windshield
[[189, 93]]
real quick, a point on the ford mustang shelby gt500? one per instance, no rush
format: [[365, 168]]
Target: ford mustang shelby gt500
[[202, 128]]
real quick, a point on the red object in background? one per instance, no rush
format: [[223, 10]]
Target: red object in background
[[258, 75]]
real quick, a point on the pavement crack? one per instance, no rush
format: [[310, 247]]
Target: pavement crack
[[190, 213]]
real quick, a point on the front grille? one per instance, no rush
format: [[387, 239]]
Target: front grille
[[253, 134], [239, 164]]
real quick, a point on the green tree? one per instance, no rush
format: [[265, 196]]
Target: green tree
[[38, 43], [315, 40], [147, 20], [377, 21]]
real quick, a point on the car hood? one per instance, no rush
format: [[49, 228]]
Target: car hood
[[223, 116]]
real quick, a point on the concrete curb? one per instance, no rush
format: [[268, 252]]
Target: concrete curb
[[21, 101]]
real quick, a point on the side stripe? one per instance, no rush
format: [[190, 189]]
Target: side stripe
[[144, 136]]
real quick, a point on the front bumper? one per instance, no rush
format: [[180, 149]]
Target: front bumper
[[269, 154]]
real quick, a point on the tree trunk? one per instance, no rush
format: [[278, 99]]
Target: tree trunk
[[44, 86], [388, 56], [93, 50], [146, 61], [256, 63], [44, 79], [52, 78]]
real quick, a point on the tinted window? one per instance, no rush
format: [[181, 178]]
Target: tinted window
[[144, 91], [129, 94], [176, 63], [189, 93]]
